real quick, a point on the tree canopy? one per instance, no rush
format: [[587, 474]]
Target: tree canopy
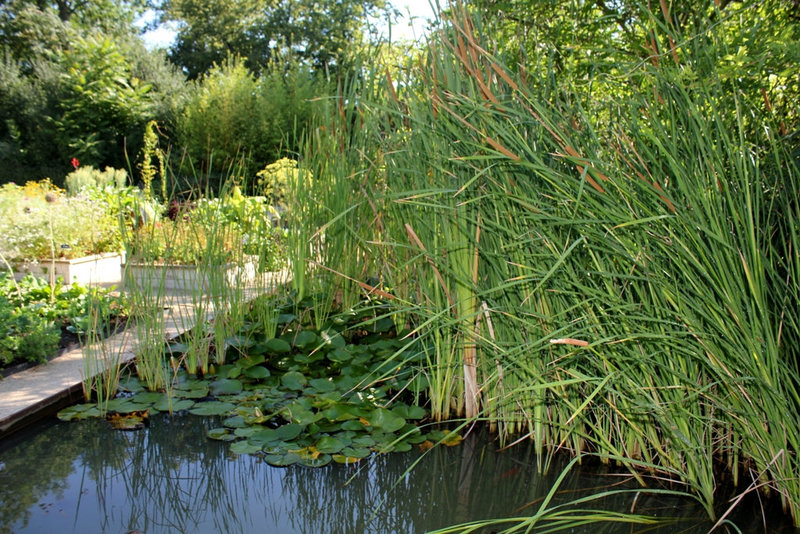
[[316, 31]]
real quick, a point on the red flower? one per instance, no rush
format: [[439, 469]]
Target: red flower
[[75, 163]]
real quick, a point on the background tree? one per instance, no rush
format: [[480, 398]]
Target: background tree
[[319, 32], [76, 81]]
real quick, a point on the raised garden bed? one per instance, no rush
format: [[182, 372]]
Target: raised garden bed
[[152, 277], [96, 269]]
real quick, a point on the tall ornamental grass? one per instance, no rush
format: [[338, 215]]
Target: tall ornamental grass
[[622, 283]]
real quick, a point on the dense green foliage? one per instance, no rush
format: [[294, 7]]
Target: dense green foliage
[[321, 33], [33, 315], [609, 268]]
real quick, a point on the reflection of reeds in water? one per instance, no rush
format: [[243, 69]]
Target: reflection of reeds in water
[[170, 478]]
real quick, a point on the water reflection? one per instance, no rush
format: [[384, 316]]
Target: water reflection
[[82, 478]]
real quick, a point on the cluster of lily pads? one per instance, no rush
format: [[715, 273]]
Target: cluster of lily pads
[[305, 396]]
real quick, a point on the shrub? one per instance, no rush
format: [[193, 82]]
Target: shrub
[[87, 177]]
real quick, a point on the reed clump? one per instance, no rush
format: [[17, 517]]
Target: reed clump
[[621, 282]]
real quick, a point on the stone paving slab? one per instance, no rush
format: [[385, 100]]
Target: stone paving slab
[[45, 388]]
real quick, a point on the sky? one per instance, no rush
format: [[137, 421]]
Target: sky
[[415, 15]]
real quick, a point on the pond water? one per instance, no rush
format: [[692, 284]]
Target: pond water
[[169, 478]]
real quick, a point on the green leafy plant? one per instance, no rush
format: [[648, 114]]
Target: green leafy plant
[[34, 315]]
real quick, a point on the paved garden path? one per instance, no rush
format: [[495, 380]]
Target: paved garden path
[[34, 393], [41, 389]]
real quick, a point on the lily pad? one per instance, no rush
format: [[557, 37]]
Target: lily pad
[[250, 360], [129, 420], [125, 405], [148, 397], [221, 434], [356, 452], [330, 445], [305, 339], [177, 405], [245, 447], [322, 385], [212, 408], [289, 431], [340, 355], [409, 412], [316, 461], [79, 412], [257, 373], [386, 420], [225, 386], [342, 459], [194, 393], [333, 340], [235, 422], [294, 380], [282, 460], [277, 346]]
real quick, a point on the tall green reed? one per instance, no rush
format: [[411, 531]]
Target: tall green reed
[[607, 283]]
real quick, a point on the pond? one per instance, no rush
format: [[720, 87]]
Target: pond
[[170, 478]]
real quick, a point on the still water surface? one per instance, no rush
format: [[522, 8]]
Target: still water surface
[[84, 478]]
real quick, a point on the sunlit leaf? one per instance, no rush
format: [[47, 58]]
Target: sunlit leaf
[[212, 408], [386, 420]]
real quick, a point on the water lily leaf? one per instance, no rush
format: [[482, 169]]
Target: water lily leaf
[[225, 386], [451, 439], [125, 405], [353, 424], [195, 393], [409, 412], [340, 355], [294, 380], [330, 445], [128, 421], [148, 397], [286, 318], [356, 452], [386, 420], [402, 446], [212, 408], [282, 460], [235, 422], [339, 412], [277, 346], [238, 342], [221, 434], [177, 405], [289, 431], [333, 340], [257, 373], [363, 441], [176, 349], [322, 385], [419, 383], [305, 339], [79, 412], [265, 435], [245, 447], [316, 461], [250, 360], [342, 459], [131, 383], [384, 324]]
